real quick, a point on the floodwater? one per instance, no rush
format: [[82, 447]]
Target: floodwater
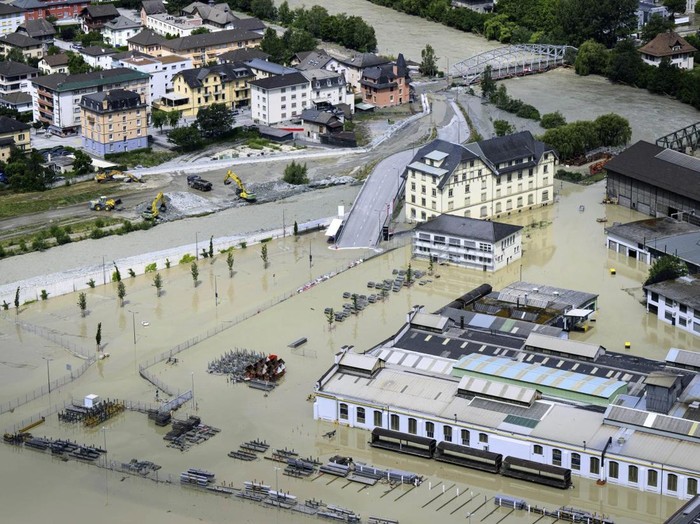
[[566, 248]]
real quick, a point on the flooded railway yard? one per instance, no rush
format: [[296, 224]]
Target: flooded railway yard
[[260, 310]]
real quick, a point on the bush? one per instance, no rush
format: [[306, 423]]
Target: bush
[[552, 120], [91, 283], [150, 268], [44, 294], [187, 259], [295, 174], [97, 233], [132, 273], [528, 111]]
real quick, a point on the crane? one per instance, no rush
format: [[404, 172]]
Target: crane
[[240, 191], [155, 208]]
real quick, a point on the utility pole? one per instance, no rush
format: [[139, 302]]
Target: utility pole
[[48, 373]]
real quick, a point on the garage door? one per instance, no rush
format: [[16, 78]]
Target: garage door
[[644, 208], [624, 201]]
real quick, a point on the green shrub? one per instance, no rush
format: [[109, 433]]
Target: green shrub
[[132, 273], [244, 245], [99, 223], [150, 268], [167, 263], [528, 111], [91, 283], [97, 233], [262, 241], [44, 294], [187, 259]]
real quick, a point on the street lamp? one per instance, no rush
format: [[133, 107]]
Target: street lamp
[[48, 372], [193, 403], [196, 245], [133, 323], [216, 292]]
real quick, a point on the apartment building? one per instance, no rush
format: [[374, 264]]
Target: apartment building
[[279, 98], [16, 77], [386, 85], [117, 31], [59, 9], [329, 88], [13, 133], [486, 179], [205, 48], [28, 46], [676, 302], [161, 69], [11, 17], [147, 42]]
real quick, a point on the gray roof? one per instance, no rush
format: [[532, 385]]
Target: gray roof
[[10, 125], [269, 67], [117, 99], [320, 117], [643, 231], [455, 155], [209, 39], [128, 54], [38, 4], [313, 60], [146, 38], [471, 228], [37, 28], [641, 162], [122, 22], [323, 78], [100, 11], [20, 40], [227, 73], [61, 82], [17, 98], [96, 50], [219, 14], [685, 246], [249, 24], [242, 55], [8, 9], [153, 7], [16, 68], [362, 60], [276, 82], [505, 154]]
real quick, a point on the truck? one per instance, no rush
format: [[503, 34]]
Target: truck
[[197, 182]]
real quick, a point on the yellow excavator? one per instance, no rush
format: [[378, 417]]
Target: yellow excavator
[[104, 204], [155, 208], [240, 191], [108, 176]]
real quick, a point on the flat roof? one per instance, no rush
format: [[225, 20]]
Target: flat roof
[[683, 357], [437, 155], [425, 168], [334, 227], [429, 321], [685, 290], [495, 389], [561, 345], [685, 246], [359, 361], [645, 231], [541, 295]]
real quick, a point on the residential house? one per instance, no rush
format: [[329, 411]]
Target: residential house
[[668, 45], [676, 302], [279, 98], [28, 46], [468, 242], [317, 123], [41, 30], [18, 101], [94, 17], [205, 48], [353, 67], [151, 7], [117, 31], [655, 181], [169, 25], [51, 64], [162, 71], [59, 9], [242, 55], [329, 88], [217, 16], [264, 69], [16, 77], [13, 133], [114, 121], [253, 25], [146, 42], [97, 56], [56, 98], [487, 179], [11, 17], [386, 85], [311, 60], [194, 89]]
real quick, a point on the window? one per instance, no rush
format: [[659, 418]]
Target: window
[[465, 437], [672, 482], [498, 207], [429, 429], [483, 211], [633, 474], [652, 478], [576, 461], [483, 438], [546, 169], [360, 415], [412, 426], [530, 199], [378, 418], [692, 488], [395, 422], [537, 450], [595, 465], [613, 469], [545, 196], [447, 433], [556, 457], [343, 411]]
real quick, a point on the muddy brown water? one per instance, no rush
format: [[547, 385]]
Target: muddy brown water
[[566, 248]]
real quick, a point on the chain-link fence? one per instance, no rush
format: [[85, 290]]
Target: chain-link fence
[[56, 337]]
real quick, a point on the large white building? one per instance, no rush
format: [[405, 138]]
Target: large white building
[[329, 88], [118, 31], [279, 98], [161, 69], [11, 18], [487, 179], [676, 302]]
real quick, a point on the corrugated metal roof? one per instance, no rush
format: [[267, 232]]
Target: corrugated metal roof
[[508, 392], [652, 421], [429, 320], [560, 345], [683, 357]]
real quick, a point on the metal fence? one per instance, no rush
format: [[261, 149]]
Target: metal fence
[[57, 337], [42, 415]]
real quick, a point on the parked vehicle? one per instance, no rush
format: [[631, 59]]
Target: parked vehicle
[[197, 182]]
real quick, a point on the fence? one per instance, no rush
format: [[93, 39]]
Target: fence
[[36, 417], [56, 337]]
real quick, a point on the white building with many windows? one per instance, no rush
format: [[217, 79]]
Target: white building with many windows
[[487, 179], [676, 302], [279, 98], [468, 242]]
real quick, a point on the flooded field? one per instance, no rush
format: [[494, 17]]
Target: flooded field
[[564, 247]]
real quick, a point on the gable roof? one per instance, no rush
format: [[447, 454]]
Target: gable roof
[[146, 38], [685, 290], [249, 24], [269, 67], [100, 11], [649, 163], [278, 81], [242, 55], [153, 7], [20, 40], [313, 60], [10, 68], [122, 22], [96, 50], [209, 39], [61, 82], [218, 13], [17, 98], [227, 72], [37, 28], [663, 44], [362, 60], [505, 154], [321, 117], [10, 125], [60, 59], [7, 9]]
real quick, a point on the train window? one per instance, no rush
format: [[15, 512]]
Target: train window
[[447, 433], [672, 482], [465, 437], [613, 469], [556, 457], [483, 438], [360, 415], [429, 429], [538, 450], [412, 426], [595, 465], [343, 412], [633, 474], [576, 461], [394, 422], [692, 488], [378, 419], [652, 478]]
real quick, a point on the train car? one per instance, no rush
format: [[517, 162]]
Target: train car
[[536, 472], [403, 442], [469, 457]]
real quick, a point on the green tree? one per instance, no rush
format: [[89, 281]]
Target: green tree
[[665, 268], [82, 303], [428, 65], [15, 55], [657, 24], [158, 284], [174, 118], [117, 275], [552, 120], [159, 118], [53, 50], [665, 79], [273, 46], [214, 121], [502, 127], [330, 318], [592, 58], [17, 301], [194, 271], [284, 14], [229, 263], [604, 21], [263, 254], [186, 138], [675, 7], [76, 64], [200, 31], [26, 173], [91, 38], [98, 335], [121, 292], [613, 130], [295, 174], [263, 9], [82, 163], [409, 274], [296, 229], [296, 40], [211, 247], [488, 84], [626, 66]]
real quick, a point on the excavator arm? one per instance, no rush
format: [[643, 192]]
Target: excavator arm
[[241, 191]]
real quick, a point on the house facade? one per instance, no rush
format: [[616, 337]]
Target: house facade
[[146, 41], [468, 242], [353, 67], [60, 9], [41, 30], [150, 7], [676, 302], [329, 88], [317, 123], [114, 121], [28, 46], [668, 45], [386, 85], [205, 48], [20, 102], [16, 77], [13, 133], [97, 56], [162, 70], [94, 17], [11, 17], [487, 179], [279, 98], [117, 31], [165, 24], [51, 64]]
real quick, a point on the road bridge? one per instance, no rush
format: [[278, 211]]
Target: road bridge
[[510, 61], [682, 139]]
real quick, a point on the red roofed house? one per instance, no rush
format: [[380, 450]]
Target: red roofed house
[[670, 45]]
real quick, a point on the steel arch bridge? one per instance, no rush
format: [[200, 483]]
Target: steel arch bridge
[[509, 61]]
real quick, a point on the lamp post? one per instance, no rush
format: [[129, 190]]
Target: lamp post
[[196, 245], [104, 272], [48, 373], [193, 402], [133, 324], [216, 292]]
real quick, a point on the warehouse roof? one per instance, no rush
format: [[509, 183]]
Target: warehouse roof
[[684, 290], [563, 346], [470, 228]]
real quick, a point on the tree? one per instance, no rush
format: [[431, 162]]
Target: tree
[[211, 247], [116, 276], [430, 264], [263, 9], [158, 284], [53, 50], [330, 318], [214, 121], [285, 16], [17, 301], [121, 292], [488, 84], [296, 40], [355, 300], [159, 118], [15, 55], [613, 130], [174, 118], [82, 303], [428, 65], [186, 138], [295, 174], [200, 31], [502, 127], [592, 58], [665, 268], [626, 65], [665, 79], [657, 24], [82, 163], [229, 263], [604, 21], [98, 335], [675, 7], [25, 172], [273, 46], [409, 274], [263, 255], [194, 271], [296, 229], [552, 120], [77, 65]]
